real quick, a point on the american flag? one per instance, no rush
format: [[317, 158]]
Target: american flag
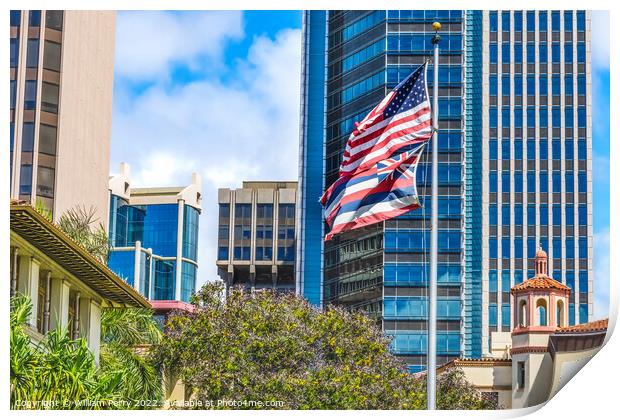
[[377, 174]]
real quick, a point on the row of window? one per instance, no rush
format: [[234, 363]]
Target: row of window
[[531, 22], [543, 186], [417, 307], [420, 241], [543, 149], [444, 15], [263, 211], [51, 54], [243, 253], [518, 278], [356, 59], [448, 174], [532, 246], [53, 18], [421, 42], [359, 26], [543, 84], [556, 211], [417, 274], [448, 75], [47, 138], [45, 181], [530, 52], [417, 343], [543, 117], [262, 232], [354, 91], [583, 314]]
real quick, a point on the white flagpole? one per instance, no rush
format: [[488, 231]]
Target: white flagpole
[[431, 363]]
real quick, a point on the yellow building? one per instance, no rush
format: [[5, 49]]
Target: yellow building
[[542, 353], [68, 287]]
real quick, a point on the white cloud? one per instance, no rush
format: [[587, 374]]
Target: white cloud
[[149, 43], [162, 169], [600, 169], [600, 39], [601, 274], [243, 130]]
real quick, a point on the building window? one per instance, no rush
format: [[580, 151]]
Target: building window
[[492, 247], [35, 18], [570, 215], [32, 53], [53, 19], [570, 182], [25, 179], [493, 315], [286, 253], [224, 211], [13, 93], [14, 52], [493, 214], [49, 98], [47, 139], [286, 211], [242, 253], [518, 215], [30, 94], [520, 375], [264, 211], [222, 253], [51, 56], [28, 137], [16, 16], [45, 182], [518, 251], [223, 232], [190, 232], [544, 181], [493, 181]]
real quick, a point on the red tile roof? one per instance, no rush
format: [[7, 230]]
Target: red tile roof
[[594, 326], [541, 281]]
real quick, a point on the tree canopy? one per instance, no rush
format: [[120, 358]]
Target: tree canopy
[[266, 346]]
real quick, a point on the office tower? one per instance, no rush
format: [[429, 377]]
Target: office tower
[[537, 146], [383, 269], [61, 71], [309, 265], [154, 237], [249, 252]]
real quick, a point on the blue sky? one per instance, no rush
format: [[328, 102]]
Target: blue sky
[[218, 93]]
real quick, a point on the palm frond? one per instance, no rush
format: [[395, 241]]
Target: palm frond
[[129, 326]]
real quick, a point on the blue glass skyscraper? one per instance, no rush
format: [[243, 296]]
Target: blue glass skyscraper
[[383, 269], [154, 237]]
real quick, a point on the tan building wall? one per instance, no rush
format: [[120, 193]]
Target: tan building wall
[[83, 118]]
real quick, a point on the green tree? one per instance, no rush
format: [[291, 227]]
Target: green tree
[[63, 371], [126, 338], [264, 346], [81, 225]]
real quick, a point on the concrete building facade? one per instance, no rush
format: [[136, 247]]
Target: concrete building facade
[[154, 236], [256, 235], [61, 82]]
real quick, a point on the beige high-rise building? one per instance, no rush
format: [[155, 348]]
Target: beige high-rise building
[[62, 71], [256, 235]]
